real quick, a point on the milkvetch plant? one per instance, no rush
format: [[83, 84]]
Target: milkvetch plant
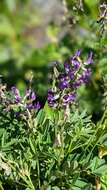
[[65, 151], [67, 78]]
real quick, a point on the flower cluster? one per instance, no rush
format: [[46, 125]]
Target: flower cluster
[[29, 101], [75, 73], [12, 100]]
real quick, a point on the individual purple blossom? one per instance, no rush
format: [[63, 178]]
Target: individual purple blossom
[[75, 60], [16, 93], [71, 75], [63, 81], [29, 106], [69, 98], [32, 102], [32, 106], [77, 83], [75, 63], [33, 96], [89, 59], [37, 105], [63, 84], [30, 95], [85, 75], [28, 92], [67, 66], [51, 98], [77, 54]]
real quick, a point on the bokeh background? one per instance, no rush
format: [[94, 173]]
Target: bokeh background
[[36, 33]]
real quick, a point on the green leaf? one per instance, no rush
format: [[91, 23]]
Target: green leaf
[[55, 188], [98, 166], [79, 184], [32, 145], [40, 118], [49, 112]]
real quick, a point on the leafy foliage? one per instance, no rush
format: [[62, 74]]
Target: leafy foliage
[[52, 153]]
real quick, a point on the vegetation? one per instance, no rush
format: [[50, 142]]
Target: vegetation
[[53, 97]]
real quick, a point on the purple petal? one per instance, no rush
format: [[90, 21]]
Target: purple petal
[[67, 67], [89, 59], [71, 75], [77, 54], [77, 83], [30, 106], [37, 106], [15, 90], [75, 64], [69, 98], [33, 96], [16, 93], [28, 92], [85, 75]]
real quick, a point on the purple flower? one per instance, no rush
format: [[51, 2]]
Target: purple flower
[[37, 105], [68, 98], [63, 84], [74, 74], [51, 98], [89, 59], [77, 54], [30, 95], [63, 81], [71, 75], [33, 96], [67, 67], [75, 64], [32, 102], [77, 83], [74, 60], [29, 106], [85, 75], [28, 92], [16, 93]]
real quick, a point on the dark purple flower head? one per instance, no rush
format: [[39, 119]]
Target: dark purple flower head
[[74, 74]]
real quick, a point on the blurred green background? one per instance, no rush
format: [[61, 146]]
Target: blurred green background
[[36, 33]]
